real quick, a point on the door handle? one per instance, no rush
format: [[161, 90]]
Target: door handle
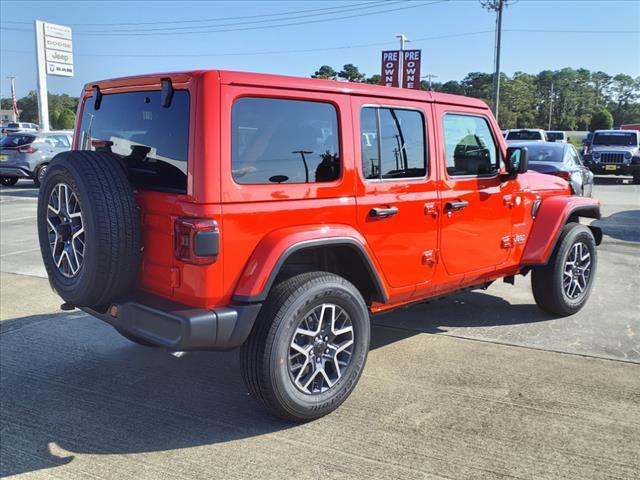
[[383, 212], [455, 206]]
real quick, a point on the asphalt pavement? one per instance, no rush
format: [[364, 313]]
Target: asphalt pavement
[[477, 385]]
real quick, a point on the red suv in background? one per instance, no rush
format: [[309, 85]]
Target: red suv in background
[[212, 210]]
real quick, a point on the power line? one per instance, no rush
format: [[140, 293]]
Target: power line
[[323, 20], [272, 52], [203, 20], [267, 21]]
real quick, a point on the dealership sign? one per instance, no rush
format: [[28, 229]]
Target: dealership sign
[[401, 66], [58, 48]]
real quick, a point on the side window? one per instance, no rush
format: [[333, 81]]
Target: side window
[[393, 143], [284, 141], [469, 145]]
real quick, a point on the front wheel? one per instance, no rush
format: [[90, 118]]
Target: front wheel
[[40, 173], [8, 181], [563, 286], [636, 179], [308, 348]]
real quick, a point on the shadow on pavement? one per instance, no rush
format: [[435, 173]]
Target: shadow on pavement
[[71, 384], [611, 180], [19, 190], [621, 226]]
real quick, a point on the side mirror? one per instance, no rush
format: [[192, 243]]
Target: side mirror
[[517, 160]]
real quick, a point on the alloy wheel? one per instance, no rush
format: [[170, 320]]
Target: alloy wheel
[[577, 271], [321, 348], [65, 228]]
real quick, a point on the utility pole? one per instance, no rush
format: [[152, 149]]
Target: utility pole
[[496, 6], [403, 40], [14, 114], [550, 105], [429, 77]]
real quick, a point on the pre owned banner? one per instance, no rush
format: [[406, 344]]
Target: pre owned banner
[[390, 72], [411, 68]]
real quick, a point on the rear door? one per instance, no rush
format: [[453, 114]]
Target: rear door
[[476, 219], [397, 189]]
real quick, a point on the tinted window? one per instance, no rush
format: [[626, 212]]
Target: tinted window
[[524, 135], [393, 144], [284, 141], [16, 140], [152, 140], [553, 136], [470, 149]]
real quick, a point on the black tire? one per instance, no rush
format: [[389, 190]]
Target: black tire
[[264, 358], [111, 227], [8, 181], [547, 282], [40, 173], [636, 179]]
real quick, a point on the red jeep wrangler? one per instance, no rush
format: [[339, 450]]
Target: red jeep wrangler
[[211, 210]]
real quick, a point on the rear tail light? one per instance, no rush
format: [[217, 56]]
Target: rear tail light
[[27, 149], [565, 175], [196, 240]]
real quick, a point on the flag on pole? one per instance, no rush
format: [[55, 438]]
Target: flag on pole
[[13, 99]]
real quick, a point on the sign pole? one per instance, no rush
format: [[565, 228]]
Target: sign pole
[[403, 39], [43, 100]]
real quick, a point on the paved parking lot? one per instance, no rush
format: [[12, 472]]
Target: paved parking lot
[[477, 385]]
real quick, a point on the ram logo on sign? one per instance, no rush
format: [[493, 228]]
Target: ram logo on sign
[[58, 49]]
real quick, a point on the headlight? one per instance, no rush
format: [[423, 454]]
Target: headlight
[[627, 155], [596, 155]]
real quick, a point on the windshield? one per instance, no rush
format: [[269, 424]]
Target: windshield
[[616, 138], [12, 141], [152, 140], [13, 125], [524, 135], [545, 153]]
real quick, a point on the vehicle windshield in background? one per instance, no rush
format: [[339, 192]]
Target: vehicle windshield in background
[[544, 153], [553, 136], [524, 135], [615, 138], [152, 140], [14, 141]]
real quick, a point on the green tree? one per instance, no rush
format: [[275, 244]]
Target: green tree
[[326, 72], [374, 79], [351, 73], [66, 119], [602, 120]]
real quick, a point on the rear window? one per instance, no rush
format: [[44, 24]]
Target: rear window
[[16, 140], [284, 141], [524, 135], [553, 136], [13, 125], [545, 153], [616, 138], [152, 140]]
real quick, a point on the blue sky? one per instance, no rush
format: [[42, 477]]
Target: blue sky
[[571, 38]]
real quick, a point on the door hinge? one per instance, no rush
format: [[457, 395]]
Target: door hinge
[[430, 257]]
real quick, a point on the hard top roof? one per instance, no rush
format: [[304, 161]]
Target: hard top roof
[[229, 77]]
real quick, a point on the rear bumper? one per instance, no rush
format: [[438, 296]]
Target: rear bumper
[[15, 172], [180, 327]]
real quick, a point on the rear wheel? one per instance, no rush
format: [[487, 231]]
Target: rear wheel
[[308, 347], [40, 173], [563, 286], [8, 181]]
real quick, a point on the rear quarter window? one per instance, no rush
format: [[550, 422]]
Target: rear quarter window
[[152, 140], [284, 141]]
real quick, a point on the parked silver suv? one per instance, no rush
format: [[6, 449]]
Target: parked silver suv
[[27, 155], [615, 152]]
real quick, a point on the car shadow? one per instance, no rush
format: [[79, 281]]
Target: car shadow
[[22, 189], [71, 384], [611, 180], [623, 225]]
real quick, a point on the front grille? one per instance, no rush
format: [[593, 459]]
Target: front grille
[[612, 158]]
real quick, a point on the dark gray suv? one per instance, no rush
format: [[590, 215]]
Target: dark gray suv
[[27, 155]]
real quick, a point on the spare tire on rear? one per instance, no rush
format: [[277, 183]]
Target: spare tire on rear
[[89, 228]]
